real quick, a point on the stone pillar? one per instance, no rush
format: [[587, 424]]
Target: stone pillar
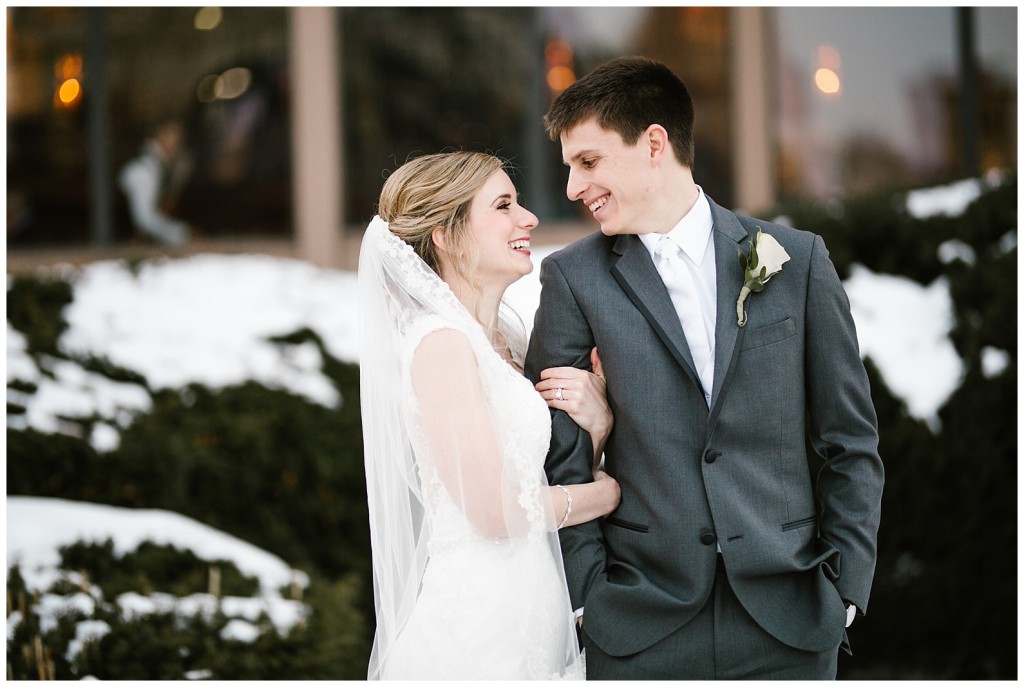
[[755, 129], [316, 134]]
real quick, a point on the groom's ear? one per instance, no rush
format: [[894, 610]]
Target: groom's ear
[[656, 139]]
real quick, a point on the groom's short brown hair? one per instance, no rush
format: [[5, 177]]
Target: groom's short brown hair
[[627, 95]]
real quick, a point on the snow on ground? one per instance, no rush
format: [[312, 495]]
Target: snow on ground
[[904, 328], [950, 200], [206, 320], [37, 527]]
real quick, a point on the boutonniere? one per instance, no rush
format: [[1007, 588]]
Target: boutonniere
[[765, 261]]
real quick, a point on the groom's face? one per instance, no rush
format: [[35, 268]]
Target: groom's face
[[612, 180]]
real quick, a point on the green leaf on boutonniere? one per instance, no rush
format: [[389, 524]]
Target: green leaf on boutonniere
[[754, 279]]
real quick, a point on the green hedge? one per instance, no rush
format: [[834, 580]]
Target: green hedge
[[264, 465], [944, 599], [328, 644]]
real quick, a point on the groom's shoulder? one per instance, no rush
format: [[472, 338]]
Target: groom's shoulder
[[584, 249], [792, 239]]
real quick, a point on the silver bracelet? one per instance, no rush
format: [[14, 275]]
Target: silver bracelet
[[568, 507]]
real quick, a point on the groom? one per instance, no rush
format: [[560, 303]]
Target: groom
[[727, 558]]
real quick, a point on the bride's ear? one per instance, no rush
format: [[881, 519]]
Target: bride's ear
[[438, 238]]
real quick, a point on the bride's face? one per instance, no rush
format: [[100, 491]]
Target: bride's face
[[499, 228]]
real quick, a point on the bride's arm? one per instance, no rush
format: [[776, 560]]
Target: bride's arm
[[456, 421], [583, 397], [588, 501]]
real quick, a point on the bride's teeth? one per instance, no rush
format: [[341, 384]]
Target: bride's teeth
[[516, 245], [596, 205]]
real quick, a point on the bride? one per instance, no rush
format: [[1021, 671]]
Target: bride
[[467, 569]]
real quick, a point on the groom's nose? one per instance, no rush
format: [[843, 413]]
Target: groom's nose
[[574, 186]]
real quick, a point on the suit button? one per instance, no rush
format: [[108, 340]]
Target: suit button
[[707, 538], [711, 456]]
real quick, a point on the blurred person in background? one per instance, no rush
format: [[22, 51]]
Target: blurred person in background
[[152, 182]]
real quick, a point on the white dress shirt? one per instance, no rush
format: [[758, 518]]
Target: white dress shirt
[[697, 257]]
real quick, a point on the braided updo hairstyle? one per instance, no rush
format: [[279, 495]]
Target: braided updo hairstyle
[[432, 191]]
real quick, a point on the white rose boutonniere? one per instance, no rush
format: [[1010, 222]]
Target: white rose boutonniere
[[765, 261]]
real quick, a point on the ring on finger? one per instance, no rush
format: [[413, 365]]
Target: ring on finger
[[558, 394]]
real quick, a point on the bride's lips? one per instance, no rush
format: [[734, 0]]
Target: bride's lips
[[520, 245]]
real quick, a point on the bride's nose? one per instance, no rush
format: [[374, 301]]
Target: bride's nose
[[529, 220]]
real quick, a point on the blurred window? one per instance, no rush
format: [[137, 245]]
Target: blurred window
[[420, 80], [219, 71], [866, 98], [870, 97]]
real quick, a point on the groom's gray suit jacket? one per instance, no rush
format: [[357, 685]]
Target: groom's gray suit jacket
[[735, 475]]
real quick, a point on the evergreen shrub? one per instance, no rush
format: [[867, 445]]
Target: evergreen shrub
[[943, 605], [329, 643]]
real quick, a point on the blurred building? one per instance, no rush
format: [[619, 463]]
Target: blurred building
[[294, 116]]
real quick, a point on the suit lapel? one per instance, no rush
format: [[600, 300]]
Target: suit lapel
[[728, 234], [636, 274]]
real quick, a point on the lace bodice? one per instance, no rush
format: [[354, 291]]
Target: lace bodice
[[522, 423]]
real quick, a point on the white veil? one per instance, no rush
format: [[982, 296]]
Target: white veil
[[401, 302]]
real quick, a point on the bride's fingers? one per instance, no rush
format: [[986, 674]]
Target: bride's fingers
[[552, 385], [549, 391], [564, 373]]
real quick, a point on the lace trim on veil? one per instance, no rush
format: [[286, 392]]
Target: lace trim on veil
[[423, 280]]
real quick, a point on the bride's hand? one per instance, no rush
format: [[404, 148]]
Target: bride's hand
[[581, 394]]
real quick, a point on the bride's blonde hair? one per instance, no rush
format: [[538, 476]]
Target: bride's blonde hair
[[436, 191]]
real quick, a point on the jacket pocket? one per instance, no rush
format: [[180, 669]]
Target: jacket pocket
[[769, 334], [797, 524], [626, 524]]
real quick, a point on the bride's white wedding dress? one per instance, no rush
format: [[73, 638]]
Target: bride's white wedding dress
[[468, 577], [488, 607]]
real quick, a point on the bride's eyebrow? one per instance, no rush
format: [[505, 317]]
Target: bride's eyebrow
[[503, 196]]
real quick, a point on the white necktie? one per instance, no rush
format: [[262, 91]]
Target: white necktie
[[681, 288]]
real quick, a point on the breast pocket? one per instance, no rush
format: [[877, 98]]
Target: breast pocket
[[769, 334]]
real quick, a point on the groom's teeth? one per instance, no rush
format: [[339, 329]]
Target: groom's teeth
[[597, 204]]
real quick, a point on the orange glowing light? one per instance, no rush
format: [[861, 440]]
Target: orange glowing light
[[560, 78], [827, 81], [69, 91]]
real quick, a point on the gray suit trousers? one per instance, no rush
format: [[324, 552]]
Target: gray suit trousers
[[721, 643]]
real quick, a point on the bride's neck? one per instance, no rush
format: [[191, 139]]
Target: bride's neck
[[482, 303]]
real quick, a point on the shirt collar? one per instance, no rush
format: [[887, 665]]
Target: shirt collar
[[691, 233]]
